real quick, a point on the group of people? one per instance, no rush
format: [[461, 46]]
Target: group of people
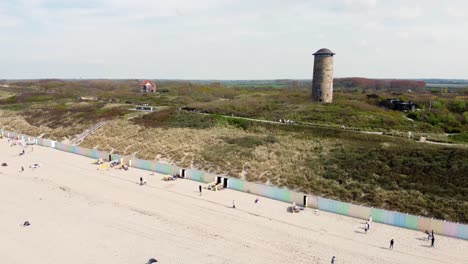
[[287, 121], [15, 142], [176, 176], [430, 236], [367, 225], [114, 163]]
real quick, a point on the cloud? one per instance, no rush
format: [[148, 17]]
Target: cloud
[[375, 26], [9, 21], [226, 38], [346, 6], [403, 34], [455, 13], [408, 12], [361, 3]]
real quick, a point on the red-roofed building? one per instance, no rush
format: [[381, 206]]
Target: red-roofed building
[[148, 86]]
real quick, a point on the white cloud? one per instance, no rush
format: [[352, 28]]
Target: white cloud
[[363, 43], [361, 3], [9, 21], [228, 38], [403, 34], [375, 26], [408, 12], [353, 5], [455, 13]]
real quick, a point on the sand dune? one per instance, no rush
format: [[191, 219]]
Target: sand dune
[[81, 215]]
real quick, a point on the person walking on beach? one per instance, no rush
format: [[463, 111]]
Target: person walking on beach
[[333, 260], [432, 241], [22, 168], [233, 204], [141, 180], [200, 189], [391, 243]]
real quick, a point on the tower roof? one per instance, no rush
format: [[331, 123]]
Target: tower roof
[[324, 52]]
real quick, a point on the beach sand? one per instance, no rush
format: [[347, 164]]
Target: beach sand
[[79, 214]]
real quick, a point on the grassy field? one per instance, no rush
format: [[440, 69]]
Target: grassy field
[[384, 171]]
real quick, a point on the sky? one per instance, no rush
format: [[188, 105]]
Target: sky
[[231, 39]]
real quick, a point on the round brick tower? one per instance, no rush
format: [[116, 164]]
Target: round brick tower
[[322, 82]]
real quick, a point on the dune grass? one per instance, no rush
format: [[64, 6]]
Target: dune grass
[[388, 172]]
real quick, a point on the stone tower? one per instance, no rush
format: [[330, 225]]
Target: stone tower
[[322, 83]]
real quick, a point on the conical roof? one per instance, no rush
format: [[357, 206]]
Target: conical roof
[[324, 52]]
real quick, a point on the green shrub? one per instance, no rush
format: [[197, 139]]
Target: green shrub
[[251, 141], [459, 138]]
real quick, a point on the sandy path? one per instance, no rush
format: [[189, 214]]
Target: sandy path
[[82, 215]]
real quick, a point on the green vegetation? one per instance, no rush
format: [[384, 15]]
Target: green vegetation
[[405, 178], [205, 126], [459, 138], [172, 118], [450, 115], [63, 115], [251, 141]]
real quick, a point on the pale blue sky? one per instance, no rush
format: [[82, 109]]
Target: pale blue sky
[[229, 39]]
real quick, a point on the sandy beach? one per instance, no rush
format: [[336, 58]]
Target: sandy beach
[[79, 214]]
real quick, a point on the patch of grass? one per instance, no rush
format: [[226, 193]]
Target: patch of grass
[[173, 118], [6, 94], [235, 122], [251, 141], [386, 175], [459, 138], [31, 98], [14, 107], [64, 115]]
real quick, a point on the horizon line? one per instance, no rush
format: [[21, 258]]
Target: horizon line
[[178, 79]]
